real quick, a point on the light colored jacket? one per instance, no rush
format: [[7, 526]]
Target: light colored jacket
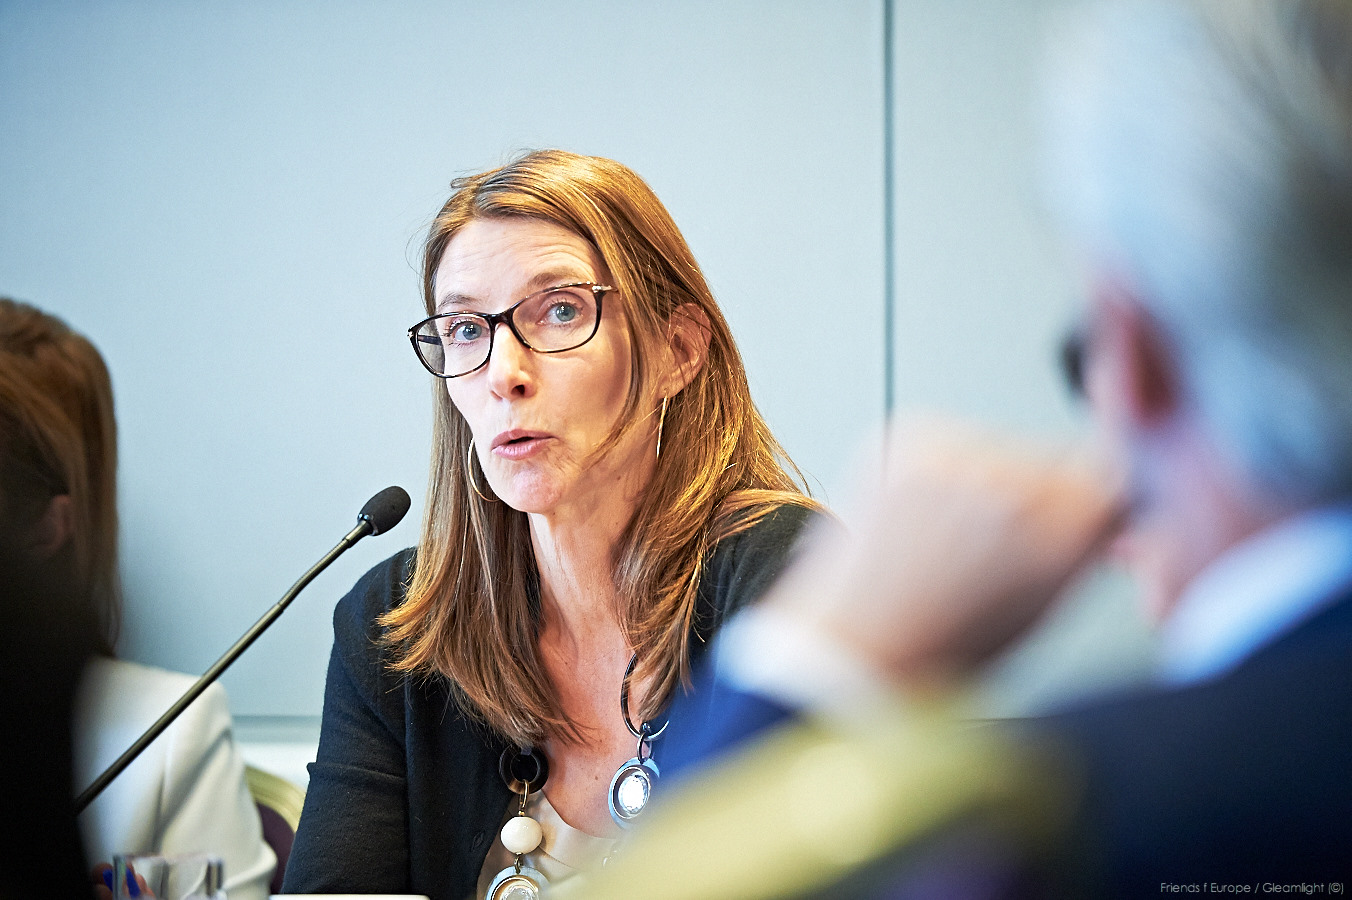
[[185, 793]]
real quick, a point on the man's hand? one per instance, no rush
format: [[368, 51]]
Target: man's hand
[[956, 545]]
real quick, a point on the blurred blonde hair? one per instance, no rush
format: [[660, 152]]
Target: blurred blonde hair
[[472, 611]]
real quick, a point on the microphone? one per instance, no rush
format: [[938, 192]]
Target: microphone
[[381, 513]]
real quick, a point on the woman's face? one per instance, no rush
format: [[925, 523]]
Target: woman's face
[[537, 417]]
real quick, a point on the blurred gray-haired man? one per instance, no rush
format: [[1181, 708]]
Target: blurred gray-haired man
[[1200, 155]]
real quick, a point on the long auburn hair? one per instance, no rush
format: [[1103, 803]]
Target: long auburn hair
[[58, 436], [472, 610]]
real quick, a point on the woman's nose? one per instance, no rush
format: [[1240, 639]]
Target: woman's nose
[[510, 365]]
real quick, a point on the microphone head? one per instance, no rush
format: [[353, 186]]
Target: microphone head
[[383, 511]]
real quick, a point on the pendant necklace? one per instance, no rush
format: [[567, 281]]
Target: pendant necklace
[[525, 771], [632, 786]]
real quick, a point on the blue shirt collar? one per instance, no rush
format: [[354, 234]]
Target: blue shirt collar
[[1256, 591]]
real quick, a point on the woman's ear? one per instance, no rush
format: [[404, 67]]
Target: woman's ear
[[55, 528], [688, 335]]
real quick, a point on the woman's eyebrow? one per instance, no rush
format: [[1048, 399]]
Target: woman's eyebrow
[[554, 278], [538, 282], [454, 299]]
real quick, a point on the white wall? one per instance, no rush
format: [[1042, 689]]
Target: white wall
[[227, 199], [982, 293]]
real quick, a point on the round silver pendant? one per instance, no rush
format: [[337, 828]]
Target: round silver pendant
[[516, 884], [630, 790]]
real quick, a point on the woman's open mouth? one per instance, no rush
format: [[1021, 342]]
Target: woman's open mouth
[[518, 444]]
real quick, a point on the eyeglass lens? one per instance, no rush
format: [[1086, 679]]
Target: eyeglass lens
[[550, 321]]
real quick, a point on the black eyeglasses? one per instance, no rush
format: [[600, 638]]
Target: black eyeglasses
[[1070, 357], [555, 319]]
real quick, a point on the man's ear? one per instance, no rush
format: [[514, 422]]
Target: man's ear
[[1132, 361], [55, 528], [688, 335]]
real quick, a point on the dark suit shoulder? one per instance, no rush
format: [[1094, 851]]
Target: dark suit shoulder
[[1243, 775], [1301, 672]]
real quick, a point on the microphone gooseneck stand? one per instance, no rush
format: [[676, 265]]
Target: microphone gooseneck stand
[[381, 513]]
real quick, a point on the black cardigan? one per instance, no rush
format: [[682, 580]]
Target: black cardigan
[[405, 795]]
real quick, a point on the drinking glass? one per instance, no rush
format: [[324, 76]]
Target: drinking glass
[[185, 876]]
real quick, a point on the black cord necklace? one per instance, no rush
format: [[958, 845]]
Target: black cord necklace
[[526, 770]]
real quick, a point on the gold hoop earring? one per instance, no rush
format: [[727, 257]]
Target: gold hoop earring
[[661, 420], [469, 475]]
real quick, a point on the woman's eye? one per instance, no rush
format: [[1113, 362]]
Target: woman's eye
[[561, 313], [464, 332]]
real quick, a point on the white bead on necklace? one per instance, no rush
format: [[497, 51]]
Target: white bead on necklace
[[521, 834]]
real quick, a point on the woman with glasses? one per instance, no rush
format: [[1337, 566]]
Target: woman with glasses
[[603, 493]]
